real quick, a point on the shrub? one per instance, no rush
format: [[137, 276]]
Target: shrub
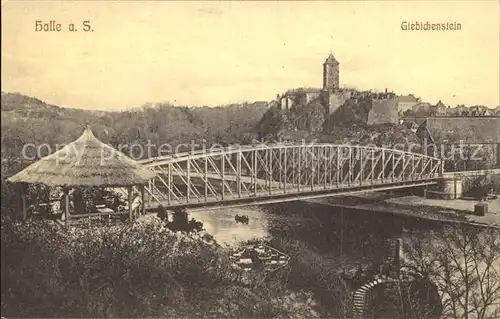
[[135, 270], [131, 270], [308, 271]]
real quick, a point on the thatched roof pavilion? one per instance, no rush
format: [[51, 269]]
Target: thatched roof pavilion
[[86, 162]]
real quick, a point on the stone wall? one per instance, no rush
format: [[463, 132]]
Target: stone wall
[[311, 96], [333, 100], [448, 188], [285, 103]]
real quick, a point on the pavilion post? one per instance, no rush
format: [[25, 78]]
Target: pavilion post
[[66, 207], [143, 206], [23, 201], [130, 190], [149, 193]]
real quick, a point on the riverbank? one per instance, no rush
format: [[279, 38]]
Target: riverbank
[[447, 211], [461, 207]]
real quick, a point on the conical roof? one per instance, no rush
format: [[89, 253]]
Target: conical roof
[[85, 162], [331, 59]]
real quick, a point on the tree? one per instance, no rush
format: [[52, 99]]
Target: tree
[[417, 299], [470, 156], [308, 117], [180, 221], [404, 299], [271, 122], [314, 117], [464, 263]]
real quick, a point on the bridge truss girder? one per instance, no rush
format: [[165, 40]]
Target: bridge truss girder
[[263, 172]]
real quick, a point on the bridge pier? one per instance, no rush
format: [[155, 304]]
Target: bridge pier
[[448, 188]]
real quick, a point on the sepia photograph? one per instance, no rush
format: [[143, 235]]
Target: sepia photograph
[[250, 159]]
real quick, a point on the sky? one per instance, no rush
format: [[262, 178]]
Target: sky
[[212, 53]]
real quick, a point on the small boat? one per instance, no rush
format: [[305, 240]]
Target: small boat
[[254, 255], [241, 219], [245, 261]]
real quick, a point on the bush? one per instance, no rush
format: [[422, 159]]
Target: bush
[[481, 186], [308, 271], [138, 270]]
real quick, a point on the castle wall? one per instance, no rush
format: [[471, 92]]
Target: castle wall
[[289, 103], [333, 100], [312, 96]]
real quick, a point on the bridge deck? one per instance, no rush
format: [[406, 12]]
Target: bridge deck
[[288, 194]]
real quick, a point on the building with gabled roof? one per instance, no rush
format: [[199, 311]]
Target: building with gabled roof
[[407, 102], [456, 132], [468, 130], [420, 109], [412, 125], [440, 108]]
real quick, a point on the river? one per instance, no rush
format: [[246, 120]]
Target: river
[[353, 236], [346, 238]]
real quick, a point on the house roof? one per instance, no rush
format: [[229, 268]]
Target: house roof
[[410, 124], [468, 130], [440, 104], [85, 162]]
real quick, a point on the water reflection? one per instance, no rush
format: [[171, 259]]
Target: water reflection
[[222, 225], [350, 236]]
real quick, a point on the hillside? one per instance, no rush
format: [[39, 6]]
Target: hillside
[[365, 121], [30, 120], [350, 113], [19, 102]]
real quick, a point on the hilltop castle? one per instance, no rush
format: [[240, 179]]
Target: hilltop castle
[[331, 96]]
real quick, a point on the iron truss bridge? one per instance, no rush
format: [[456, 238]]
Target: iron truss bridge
[[277, 173]]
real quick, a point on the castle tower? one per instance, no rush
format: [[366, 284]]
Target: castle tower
[[330, 73]]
